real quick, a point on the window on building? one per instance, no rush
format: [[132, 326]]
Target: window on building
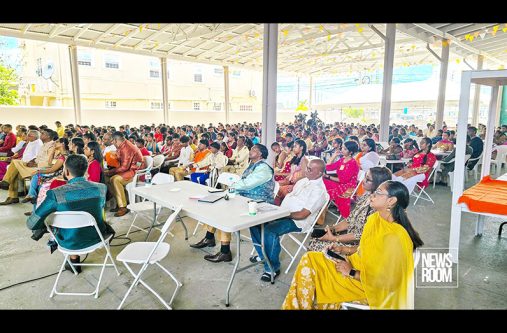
[[236, 74], [157, 105], [111, 61], [197, 106], [110, 104], [154, 69], [217, 106], [197, 77], [154, 73], [218, 71], [245, 108], [84, 58]]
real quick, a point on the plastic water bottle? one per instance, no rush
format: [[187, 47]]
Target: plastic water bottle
[[147, 179], [232, 189]]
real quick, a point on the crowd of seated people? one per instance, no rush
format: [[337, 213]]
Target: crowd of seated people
[[309, 162]]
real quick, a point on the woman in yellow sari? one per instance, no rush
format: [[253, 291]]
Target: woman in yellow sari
[[380, 272]]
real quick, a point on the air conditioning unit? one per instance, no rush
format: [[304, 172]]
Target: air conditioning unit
[[252, 93]]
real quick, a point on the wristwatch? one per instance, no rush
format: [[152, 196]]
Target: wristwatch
[[352, 273]]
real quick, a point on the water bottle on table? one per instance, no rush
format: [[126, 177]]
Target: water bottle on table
[[147, 179], [232, 189]]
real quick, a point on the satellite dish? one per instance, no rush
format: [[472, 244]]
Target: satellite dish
[[48, 70]]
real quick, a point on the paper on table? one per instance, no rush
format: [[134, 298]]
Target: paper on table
[[265, 208], [196, 196], [176, 189]]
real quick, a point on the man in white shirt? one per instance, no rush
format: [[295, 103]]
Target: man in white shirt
[[304, 203], [184, 160], [239, 159]]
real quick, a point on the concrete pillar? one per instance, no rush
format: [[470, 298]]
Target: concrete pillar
[[477, 95], [503, 107], [385, 109], [444, 62], [226, 93], [269, 86], [76, 92], [310, 101], [165, 96]]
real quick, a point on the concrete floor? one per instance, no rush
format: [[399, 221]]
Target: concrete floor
[[482, 268]]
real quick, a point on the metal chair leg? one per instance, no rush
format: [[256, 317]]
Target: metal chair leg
[[501, 228]]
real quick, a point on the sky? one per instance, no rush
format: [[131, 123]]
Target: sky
[[9, 52]]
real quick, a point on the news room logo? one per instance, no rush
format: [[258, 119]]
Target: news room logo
[[435, 269]]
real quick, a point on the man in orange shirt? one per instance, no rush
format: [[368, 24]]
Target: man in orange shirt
[[179, 173], [131, 160]]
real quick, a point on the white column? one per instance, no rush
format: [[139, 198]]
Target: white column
[[311, 93], [269, 86], [444, 62], [477, 95], [226, 93], [165, 97], [490, 130], [76, 92], [459, 165], [385, 109]]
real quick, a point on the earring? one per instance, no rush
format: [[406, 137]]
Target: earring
[[388, 209]]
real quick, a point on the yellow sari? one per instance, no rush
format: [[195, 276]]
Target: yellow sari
[[386, 266]]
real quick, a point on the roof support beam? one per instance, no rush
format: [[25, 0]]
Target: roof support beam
[[106, 33], [457, 42], [81, 32], [477, 95], [442, 84], [76, 92], [269, 87], [385, 109]]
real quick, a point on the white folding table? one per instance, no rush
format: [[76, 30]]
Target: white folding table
[[226, 215]]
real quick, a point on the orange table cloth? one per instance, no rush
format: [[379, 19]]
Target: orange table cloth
[[488, 196]]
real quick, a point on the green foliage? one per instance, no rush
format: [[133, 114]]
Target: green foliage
[[8, 79], [354, 112]]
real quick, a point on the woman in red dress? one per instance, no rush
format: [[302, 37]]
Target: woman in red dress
[[298, 166], [341, 185], [94, 155], [422, 163], [282, 172]]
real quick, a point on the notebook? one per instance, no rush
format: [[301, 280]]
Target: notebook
[[211, 198]]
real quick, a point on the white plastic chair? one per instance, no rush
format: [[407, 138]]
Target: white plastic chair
[[148, 160], [149, 253], [441, 164], [501, 153], [421, 190], [304, 232], [475, 169], [358, 306], [146, 207], [360, 177], [158, 161], [77, 220]]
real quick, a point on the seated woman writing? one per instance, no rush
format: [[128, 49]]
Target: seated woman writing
[[381, 272], [419, 169], [346, 233], [336, 152], [445, 144], [341, 185], [410, 148]]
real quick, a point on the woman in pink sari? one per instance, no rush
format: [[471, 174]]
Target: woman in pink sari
[[341, 185]]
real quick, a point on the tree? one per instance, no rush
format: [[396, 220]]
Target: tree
[[353, 112], [8, 79], [302, 106]]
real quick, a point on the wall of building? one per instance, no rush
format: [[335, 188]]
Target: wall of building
[[32, 115]]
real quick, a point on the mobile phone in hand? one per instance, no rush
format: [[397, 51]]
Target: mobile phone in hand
[[317, 233], [335, 255]]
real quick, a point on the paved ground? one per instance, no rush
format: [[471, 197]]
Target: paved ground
[[482, 268]]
